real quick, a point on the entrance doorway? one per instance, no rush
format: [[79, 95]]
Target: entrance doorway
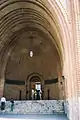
[[34, 87], [36, 91]]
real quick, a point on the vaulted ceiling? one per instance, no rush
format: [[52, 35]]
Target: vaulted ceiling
[[28, 25]]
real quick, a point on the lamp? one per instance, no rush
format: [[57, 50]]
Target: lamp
[[31, 53]]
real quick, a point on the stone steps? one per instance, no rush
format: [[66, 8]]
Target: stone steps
[[36, 107]]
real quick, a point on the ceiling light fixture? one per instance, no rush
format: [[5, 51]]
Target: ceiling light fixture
[[31, 53]]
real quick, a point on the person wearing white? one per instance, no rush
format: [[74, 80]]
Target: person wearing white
[[3, 101]]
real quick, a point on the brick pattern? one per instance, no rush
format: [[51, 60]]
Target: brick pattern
[[69, 26], [70, 71]]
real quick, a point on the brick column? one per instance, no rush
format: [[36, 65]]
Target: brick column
[[77, 17], [75, 21], [1, 88]]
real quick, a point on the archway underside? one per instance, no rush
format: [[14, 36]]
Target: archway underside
[[29, 26]]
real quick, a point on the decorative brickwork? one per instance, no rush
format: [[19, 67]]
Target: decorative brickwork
[[60, 23]]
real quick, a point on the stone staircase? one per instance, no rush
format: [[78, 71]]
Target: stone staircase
[[36, 107]]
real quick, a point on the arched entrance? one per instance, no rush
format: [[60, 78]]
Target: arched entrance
[[18, 17], [34, 86], [37, 35]]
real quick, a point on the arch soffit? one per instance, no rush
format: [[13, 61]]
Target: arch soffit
[[56, 23], [47, 16]]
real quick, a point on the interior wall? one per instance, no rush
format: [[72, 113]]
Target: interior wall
[[13, 91], [53, 92], [19, 66], [45, 62]]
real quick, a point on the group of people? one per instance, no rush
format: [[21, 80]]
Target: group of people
[[3, 103], [36, 94]]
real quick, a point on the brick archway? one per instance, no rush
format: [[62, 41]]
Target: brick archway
[[32, 77], [58, 30], [64, 44], [7, 40]]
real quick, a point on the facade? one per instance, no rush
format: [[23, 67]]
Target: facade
[[40, 50]]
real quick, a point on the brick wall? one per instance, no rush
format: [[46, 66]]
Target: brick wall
[[67, 40]]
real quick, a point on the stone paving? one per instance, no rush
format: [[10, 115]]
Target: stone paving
[[32, 117], [34, 110], [36, 107]]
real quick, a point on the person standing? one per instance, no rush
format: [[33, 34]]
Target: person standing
[[3, 102], [12, 104]]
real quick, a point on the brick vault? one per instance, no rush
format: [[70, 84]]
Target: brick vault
[[51, 30]]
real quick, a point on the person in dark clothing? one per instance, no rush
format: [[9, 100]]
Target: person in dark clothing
[[38, 94], [12, 104]]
